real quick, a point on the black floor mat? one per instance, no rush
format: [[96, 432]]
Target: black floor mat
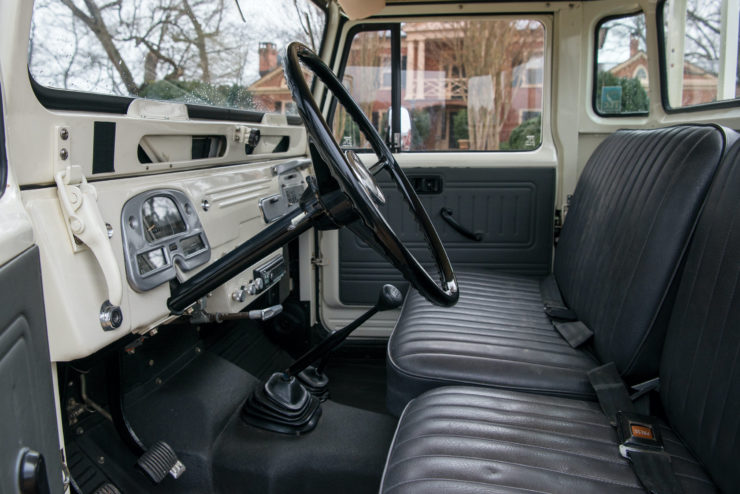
[[247, 346], [357, 377], [197, 413], [345, 453]]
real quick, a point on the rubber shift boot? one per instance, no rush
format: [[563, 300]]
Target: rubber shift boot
[[282, 405]]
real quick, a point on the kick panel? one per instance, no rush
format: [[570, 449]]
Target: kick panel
[[510, 211]]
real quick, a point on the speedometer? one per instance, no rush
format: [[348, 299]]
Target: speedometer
[[161, 218]]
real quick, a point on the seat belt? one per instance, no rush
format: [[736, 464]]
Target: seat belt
[[553, 302], [639, 436], [611, 391], [576, 333]]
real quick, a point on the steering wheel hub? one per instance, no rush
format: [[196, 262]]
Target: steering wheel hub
[[364, 178]]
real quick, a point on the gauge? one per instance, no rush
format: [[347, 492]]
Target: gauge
[[161, 218], [151, 261], [191, 245]]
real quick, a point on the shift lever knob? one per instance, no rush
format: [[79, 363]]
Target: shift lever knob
[[390, 298]]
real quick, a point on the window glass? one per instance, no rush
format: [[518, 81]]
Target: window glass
[[473, 85], [189, 51], [367, 77], [622, 66], [701, 51], [465, 85]]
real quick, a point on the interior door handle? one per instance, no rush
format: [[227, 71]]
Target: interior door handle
[[446, 214]]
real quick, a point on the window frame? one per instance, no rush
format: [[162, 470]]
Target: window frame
[[595, 71], [83, 101], [388, 24], [348, 39], [660, 21]]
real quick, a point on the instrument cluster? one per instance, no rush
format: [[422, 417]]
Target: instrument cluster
[[161, 229]]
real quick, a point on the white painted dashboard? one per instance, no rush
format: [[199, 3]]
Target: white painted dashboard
[[74, 285]]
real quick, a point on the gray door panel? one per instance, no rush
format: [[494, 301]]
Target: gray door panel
[[511, 207], [27, 415]]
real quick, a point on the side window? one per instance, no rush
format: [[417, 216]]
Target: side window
[[200, 52], [621, 76], [465, 85], [367, 77], [700, 52], [472, 85]]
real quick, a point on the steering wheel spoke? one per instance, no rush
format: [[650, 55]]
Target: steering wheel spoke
[[378, 167], [357, 182]]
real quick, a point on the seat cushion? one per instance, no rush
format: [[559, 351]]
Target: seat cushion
[[471, 440], [496, 335], [628, 224]]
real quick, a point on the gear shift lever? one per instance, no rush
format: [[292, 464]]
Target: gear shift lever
[[282, 403]]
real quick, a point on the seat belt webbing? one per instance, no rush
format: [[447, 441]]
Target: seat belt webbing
[[576, 333], [611, 391], [654, 471], [553, 302], [639, 437]]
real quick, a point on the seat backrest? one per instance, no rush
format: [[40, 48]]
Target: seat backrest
[[700, 366], [632, 213]]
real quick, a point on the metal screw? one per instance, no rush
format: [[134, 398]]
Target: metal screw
[[79, 431], [158, 381], [101, 459], [64, 134], [151, 363], [198, 349], [205, 205], [109, 230], [63, 153]]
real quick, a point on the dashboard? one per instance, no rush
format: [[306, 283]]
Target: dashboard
[[162, 228]]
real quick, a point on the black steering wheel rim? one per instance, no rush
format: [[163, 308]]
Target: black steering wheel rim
[[358, 185]]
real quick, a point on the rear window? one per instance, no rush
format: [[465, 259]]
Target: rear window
[[700, 52], [223, 53]]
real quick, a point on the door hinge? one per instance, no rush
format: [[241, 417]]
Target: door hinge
[[318, 261]]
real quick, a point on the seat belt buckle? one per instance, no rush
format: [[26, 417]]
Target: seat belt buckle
[[638, 433]]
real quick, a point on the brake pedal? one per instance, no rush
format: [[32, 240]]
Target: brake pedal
[[107, 488], [159, 460]]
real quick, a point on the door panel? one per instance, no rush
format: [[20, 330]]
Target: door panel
[[27, 413], [511, 208]]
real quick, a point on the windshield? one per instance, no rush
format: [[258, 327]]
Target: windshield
[[225, 53]]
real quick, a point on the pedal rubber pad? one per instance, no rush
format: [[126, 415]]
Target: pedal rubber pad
[[107, 488], [159, 460]]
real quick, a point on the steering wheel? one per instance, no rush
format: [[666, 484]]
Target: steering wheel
[[357, 183]]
